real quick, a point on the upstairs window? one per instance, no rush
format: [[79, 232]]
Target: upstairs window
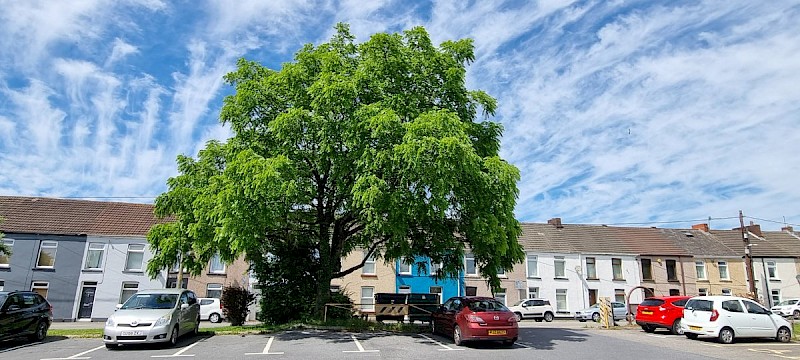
[[469, 265], [533, 266], [772, 270], [647, 269], [559, 264], [616, 267], [404, 269], [369, 265], [672, 274], [723, 270], [700, 268], [135, 258], [216, 266], [94, 256], [591, 268], [47, 254], [5, 260]]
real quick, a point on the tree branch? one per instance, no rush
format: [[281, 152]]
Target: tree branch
[[371, 250]]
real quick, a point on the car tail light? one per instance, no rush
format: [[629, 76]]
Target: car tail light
[[714, 315], [475, 319], [512, 319]]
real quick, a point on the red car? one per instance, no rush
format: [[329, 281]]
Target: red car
[[661, 312], [475, 318]]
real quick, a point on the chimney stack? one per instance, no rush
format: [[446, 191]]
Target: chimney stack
[[788, 228], [555, 222], [753, 228], [701, 227]]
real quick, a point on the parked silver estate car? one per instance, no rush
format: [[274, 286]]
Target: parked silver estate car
[[153, 316]]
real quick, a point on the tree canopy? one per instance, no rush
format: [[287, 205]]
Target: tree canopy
[[376, 147], [4, 250]]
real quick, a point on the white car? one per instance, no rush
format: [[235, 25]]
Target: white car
[[789, 307], [211, 310], [538, 309], [593, 312], [153, 316], [729, 317]]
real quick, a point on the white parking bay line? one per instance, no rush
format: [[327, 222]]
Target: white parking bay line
[[177, 354], [523, 345], [266, 349], [78, 356], [446, 348], [360, 348]]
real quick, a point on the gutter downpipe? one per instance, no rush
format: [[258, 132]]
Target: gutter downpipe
[[683, 276], [768, 295]]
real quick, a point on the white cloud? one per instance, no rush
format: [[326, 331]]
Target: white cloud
[[120, 50]]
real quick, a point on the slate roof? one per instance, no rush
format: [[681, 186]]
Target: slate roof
[[597, 239], [768, 245], [700, 243], [38, 215]]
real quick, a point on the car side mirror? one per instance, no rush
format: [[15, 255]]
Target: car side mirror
[[524, 305], [184, 306], [119, 306]]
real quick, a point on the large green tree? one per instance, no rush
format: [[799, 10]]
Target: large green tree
[[4, 250], [376, 147]]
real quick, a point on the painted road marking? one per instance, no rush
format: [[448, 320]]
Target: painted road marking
[[177, 354], [446, 348], [78, 356], [523, 345], [266, 349], [360, 348]]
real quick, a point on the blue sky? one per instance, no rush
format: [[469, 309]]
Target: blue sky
[[614, 111]]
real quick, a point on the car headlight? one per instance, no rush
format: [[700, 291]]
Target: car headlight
[[164, 320], [110, 322]]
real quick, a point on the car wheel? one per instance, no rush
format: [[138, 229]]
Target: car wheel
[[648, 328], [784, 335], [519, 316], [433, 327], [582, 320], [41, 332], [796, 314], [509, 343], [173, 337], [538, 319], [692, 336], [726, 335], [676, 327], [548, 317], [596, 317], [196, 330], [215, 318], [457, 336]]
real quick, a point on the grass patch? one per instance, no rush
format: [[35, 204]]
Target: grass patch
[[76, 333]]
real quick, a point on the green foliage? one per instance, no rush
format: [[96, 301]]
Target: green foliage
[[376, 147], [346, 309], [4, 250], [236, 301]]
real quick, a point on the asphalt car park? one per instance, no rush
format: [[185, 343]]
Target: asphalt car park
[[537, 340]]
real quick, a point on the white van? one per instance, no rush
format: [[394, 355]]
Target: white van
[[729, 317]]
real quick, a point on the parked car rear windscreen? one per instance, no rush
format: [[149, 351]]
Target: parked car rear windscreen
[[652, 302], [699, 305]]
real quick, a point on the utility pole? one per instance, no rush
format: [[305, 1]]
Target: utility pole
[[748, 256]]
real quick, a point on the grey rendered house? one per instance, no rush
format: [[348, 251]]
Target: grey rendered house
[[82, 256]]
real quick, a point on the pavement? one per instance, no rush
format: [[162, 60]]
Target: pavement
[[101, 324]]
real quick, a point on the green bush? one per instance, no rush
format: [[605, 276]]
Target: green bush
[[340, 312], [236, 301]]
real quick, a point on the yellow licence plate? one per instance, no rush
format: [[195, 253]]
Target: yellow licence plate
[[696, 328], [497, 332], [647, 312]]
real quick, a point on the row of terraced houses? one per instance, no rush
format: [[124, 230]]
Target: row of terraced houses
[[85, 257]]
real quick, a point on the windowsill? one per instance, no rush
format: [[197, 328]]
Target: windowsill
[[674, 281], [5, 268], [92, 270], [534, 278], [217, 274], [560, 278], [371, 276], [44, 269], [593, 279], [725, 280], [133, 271], [618, 279], [703, 280], [648, 280], [775, 280], [471, 275]]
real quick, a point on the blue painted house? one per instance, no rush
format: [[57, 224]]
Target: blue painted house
[[418, 279]]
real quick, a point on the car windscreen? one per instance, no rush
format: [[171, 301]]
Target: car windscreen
[[151, 301], [486, 305], [787, 302], [2, 299], [699, 305], [652, 302]]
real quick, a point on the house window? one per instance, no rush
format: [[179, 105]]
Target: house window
[[369, 265], [214, 290], [616, 266], [647, 269], [672, 274], [723, 270], [533, 266], [649, 292], [2, 284], [700, 268], [405, 289], [772, 270], [561, 300], [435, 268], [726, 292], [501, 272], [94, 256], [436, 290], [469, 265], [47, 254], [367, 298], [128, 289], [500, 295], [404, 269], [471, 290], [702, 291], [559, 266], [216, 266], [335, 288], [776, 296], [5, 260], [135, 258], [533, 292], [40, 287], [591, 268], [619, 295], [674, 292]]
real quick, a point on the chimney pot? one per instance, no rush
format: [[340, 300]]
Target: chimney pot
[[555, 222]]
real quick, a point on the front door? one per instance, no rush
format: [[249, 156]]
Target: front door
[[592, 297], [87, 302]]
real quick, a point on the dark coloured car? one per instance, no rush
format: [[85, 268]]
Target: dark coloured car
[[474, 318], [661, 312], [24, 313]]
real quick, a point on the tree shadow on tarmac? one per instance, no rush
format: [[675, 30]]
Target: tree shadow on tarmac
[[24, 342], [546, 339]]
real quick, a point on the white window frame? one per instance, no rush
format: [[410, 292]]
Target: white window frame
[[10, 244], [469, 257], [565, 294], [2, 284], [726, 292], [98, 247], [501, 296], [128, 257], [435, 267], [403, 268], [214, 287], [218, 259], [437, 290], [621, 270], [368, 302], [132, 287], [772, 270], [700, 270], [618, 293], [369, 265], [47, 244], [533, 292], [532, 270], [702, 291], [775, 295], [501, 273], [593, 273], [721, 265], [559, 263], [41, 285], [404, 289]]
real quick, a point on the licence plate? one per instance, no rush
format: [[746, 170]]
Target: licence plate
[[695, 328], [647, 312], [131, 333], [497, 332]]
